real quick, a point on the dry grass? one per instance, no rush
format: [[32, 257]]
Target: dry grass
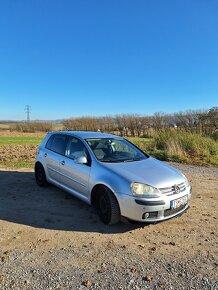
[[187, 147]]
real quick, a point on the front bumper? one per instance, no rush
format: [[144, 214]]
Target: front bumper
[[152, 209]]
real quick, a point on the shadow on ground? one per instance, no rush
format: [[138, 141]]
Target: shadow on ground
[[23, 202]]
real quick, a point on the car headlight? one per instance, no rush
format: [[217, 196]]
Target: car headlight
[[144, 190], [187, 184]]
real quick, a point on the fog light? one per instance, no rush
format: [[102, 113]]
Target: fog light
[[145, 215]]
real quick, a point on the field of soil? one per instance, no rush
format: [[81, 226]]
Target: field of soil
[[50, 240], [18, 149], [17, 152]]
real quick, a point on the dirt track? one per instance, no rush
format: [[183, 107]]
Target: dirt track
[[50, 240]]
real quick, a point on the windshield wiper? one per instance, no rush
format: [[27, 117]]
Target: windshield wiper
[[121, 160], [108, 160], [133, 159]]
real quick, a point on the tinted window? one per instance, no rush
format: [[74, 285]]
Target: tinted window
[[49, 142], [58, 144]]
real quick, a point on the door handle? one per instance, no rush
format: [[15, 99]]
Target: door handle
[[45, 154], [62, 162]]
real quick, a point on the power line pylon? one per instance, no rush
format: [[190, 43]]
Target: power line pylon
[[27, 109]]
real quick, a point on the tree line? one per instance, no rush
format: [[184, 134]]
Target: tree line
[[31, 127], [134, 125]]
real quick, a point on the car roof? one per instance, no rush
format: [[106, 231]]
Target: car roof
[[86, 134]]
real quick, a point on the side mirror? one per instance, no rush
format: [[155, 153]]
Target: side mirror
[[81, 160]]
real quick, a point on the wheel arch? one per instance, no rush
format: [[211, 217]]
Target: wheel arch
[[40, 174], [37, 164], [96, 189]]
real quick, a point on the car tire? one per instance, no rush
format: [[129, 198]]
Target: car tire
[[40, 175], [107, 206]]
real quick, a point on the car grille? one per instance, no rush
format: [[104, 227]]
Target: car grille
[[169, 212], [172, 190]]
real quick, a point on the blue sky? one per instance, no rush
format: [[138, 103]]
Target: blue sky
[[97, 57]]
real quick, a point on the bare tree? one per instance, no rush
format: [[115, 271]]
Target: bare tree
[[204, 122], [122, 124]]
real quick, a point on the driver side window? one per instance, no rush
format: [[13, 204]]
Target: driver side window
[[75, 149]]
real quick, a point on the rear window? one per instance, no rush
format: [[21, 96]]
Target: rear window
[[57, 143]]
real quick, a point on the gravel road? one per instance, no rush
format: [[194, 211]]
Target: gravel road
[[50, 240]]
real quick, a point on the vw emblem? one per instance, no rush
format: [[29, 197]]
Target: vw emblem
[[176, 188]]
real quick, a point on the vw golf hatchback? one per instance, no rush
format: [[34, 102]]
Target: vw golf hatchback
[[113, 175]]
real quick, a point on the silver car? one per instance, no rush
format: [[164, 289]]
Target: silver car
[[113, 175]]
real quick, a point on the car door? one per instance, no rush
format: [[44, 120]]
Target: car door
[[54, 152], [76, 176]]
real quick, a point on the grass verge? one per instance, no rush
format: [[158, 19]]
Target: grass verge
[[16, 164], [20, 140]]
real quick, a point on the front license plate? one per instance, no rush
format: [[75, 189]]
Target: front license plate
[[179, 202]]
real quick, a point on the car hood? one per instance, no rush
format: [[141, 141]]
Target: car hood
[[149, 171]]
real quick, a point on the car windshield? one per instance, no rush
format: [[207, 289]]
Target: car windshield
[[115, 150]]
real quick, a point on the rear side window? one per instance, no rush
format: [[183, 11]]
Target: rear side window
[[57, 143], [49, 142]]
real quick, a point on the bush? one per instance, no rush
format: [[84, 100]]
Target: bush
[[31, 127], [183, 145], [215, 136]]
